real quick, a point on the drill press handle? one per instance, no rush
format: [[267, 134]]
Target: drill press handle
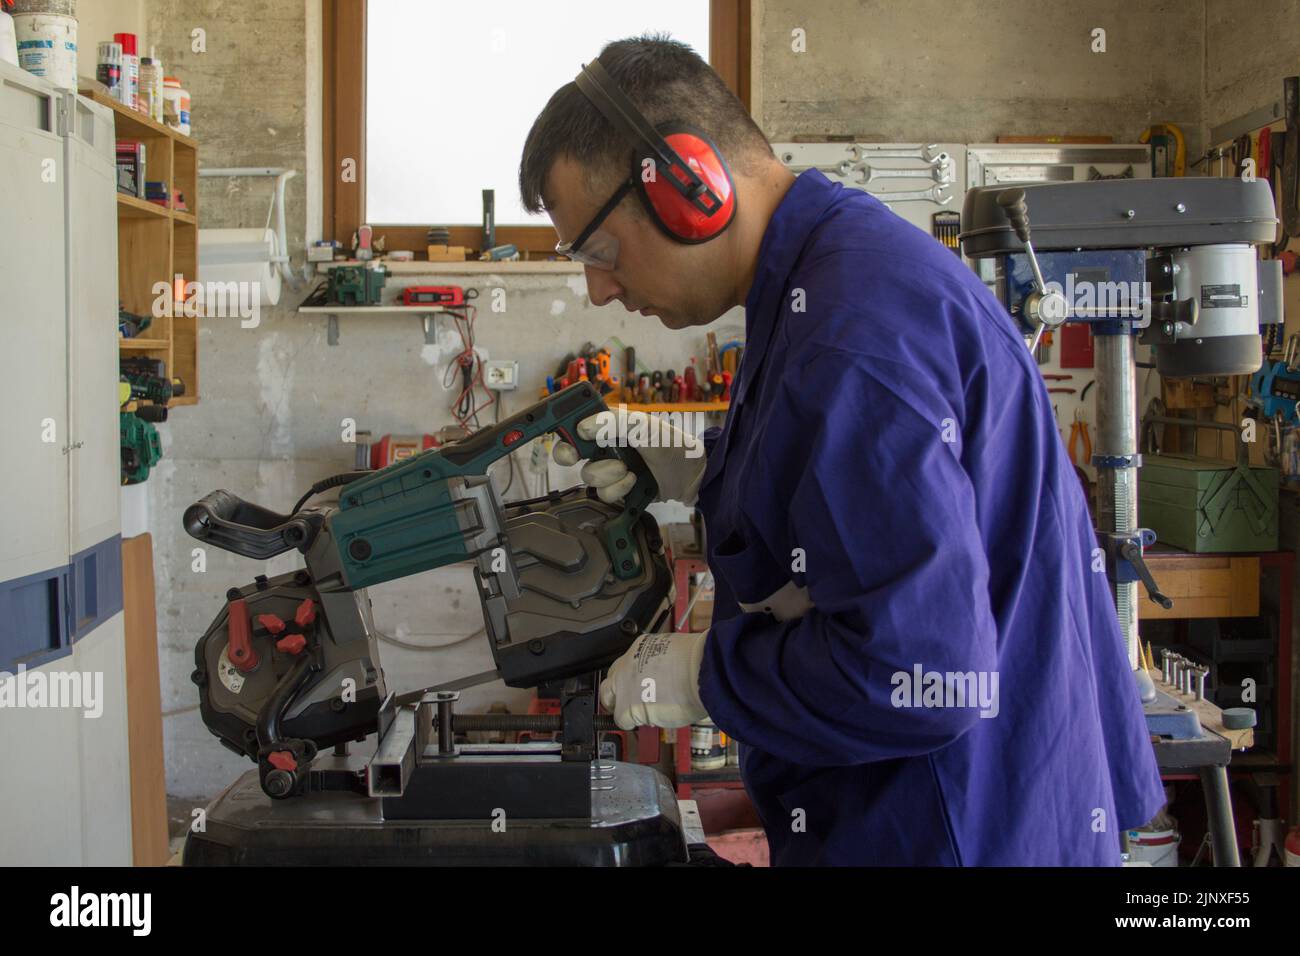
[[1043, 308], [1013, 204]]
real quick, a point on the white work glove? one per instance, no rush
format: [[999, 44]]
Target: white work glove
[[657, 682], [676, 459]]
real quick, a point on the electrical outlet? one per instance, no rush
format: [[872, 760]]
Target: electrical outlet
[[501, 376]]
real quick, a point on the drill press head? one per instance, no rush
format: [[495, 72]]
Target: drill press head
[[1175, 257]]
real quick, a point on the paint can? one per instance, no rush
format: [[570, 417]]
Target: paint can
[[47, 47], [1154, 847], [109, 68], [8, 39], [708, 746], [57, 8]]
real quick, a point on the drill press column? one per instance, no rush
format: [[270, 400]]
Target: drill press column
[[1115, 458]]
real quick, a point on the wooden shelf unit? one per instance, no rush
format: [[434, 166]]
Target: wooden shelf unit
[[156, 244]]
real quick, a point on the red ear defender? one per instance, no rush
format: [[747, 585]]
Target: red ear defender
[[676, 215]]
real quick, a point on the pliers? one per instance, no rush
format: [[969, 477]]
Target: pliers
[[1079, 433]]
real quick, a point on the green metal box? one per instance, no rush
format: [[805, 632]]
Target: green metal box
[[1205, 505]]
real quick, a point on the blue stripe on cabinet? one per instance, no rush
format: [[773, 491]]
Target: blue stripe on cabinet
[[43, 614]]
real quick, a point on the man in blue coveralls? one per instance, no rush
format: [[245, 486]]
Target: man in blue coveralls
[[908, 639]]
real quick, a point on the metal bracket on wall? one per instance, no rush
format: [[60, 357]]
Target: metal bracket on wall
[[426, 316], [1264, 116]]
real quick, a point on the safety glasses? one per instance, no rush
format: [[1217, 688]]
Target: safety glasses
[[594, 246]]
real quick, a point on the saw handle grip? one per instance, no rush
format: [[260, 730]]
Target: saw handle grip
[[559, 414], [233, 524]]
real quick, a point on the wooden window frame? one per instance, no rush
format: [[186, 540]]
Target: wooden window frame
[[344, 87]]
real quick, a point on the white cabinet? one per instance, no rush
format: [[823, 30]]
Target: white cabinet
[[94, 463], [33, 277], [65, 786]]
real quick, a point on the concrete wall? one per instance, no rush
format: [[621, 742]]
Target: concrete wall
[[1248, 51], [273, 398], [936, 71]]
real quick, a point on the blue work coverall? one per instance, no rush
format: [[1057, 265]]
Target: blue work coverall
[[891, 448]]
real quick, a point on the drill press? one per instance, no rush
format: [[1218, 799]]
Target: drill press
[[1169, 263]]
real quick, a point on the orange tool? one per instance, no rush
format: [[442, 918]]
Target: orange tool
[[1079, 434]]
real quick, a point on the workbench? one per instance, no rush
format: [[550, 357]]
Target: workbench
[[1212, 586]]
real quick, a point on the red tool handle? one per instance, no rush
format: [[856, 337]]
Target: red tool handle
[[240, 628]]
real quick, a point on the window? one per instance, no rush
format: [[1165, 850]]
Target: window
[[431, 101], [452, 89]]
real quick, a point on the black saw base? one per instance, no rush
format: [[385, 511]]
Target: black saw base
[[634, 822]]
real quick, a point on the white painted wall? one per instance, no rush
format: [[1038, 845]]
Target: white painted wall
[[98, 20]]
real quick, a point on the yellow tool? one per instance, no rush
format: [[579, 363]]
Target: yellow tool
[[1180, 144]]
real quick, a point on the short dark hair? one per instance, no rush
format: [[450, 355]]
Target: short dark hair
[[667, 81]]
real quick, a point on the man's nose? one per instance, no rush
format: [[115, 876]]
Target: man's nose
[[602, 287]]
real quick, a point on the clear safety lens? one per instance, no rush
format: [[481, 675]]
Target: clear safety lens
[[600, 251]]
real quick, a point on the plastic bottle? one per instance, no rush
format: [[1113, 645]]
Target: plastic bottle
[[151, 87], [176, 102]]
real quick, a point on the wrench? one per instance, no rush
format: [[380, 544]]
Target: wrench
[[924, 153], [937, 173], [923, 195], [843, 169]]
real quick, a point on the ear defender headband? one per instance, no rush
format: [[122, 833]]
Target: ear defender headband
[[686, 185]]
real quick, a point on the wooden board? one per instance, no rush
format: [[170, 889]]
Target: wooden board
[[144, 705], [1211, 716], [1202, 586]]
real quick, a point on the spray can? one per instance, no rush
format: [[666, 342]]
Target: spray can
[[109, 69], [130, 70]]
